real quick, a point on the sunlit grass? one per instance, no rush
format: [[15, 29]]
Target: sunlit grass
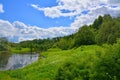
[[20, 50], [47, 66]]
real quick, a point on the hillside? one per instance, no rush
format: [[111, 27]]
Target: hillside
[[83, 63], [47, 66]]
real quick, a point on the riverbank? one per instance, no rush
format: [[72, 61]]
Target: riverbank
[[83, 63], [23, 51], [16, 50], [20, 50], [47, 66], [2, 52]]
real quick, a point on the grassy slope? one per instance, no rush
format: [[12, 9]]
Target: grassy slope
[[46, 67]]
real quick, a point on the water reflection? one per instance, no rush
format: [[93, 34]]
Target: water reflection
[[17, 61], [4, 59]]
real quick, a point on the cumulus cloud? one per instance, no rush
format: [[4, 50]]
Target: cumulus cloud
[[94, 13], [6, 29], [22, 32], [77, 8], [84, 12], [1, 8]]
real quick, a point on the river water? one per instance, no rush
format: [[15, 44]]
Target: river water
[[15, 61]]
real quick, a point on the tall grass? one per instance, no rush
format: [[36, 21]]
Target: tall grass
[[46, 68]]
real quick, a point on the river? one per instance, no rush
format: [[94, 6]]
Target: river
[[15, 61]]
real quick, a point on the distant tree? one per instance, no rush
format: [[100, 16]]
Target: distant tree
[[109, 31], [4, 44], [84, 37], [97, 23], [63, 44], [107, 18]]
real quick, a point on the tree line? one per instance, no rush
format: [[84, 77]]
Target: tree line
[[104, 29]]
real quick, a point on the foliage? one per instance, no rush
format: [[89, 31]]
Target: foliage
[[103, 65], [46, 68], [109, 32], [84, 37], [104, 29], [4, 46], [108, 66], [97, 23], [83, 63], [66, 42]]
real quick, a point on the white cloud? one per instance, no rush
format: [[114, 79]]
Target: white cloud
[[1, 8], [115, 2], [65, 8], [6, 29], [76, 9], [24, 32], [93, 14]]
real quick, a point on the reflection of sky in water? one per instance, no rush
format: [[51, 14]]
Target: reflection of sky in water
[[20, 61]]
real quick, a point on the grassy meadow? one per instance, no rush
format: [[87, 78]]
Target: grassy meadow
[[21, 50], [47, 66]]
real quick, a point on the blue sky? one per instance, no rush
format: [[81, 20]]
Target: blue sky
[[37, 19], [21, 10]]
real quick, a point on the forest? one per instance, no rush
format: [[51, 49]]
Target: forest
[[92, 53]]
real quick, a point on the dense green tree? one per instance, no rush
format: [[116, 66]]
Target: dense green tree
[[66, 42], [84, 37], [63, 44], [4, 44], [109, 32], [107, 17], [97, 23]]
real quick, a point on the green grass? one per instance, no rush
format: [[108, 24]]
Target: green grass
[[21, 50], [47, 66]]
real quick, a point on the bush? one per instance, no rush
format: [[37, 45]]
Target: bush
[[108, 68], [72, 71]]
